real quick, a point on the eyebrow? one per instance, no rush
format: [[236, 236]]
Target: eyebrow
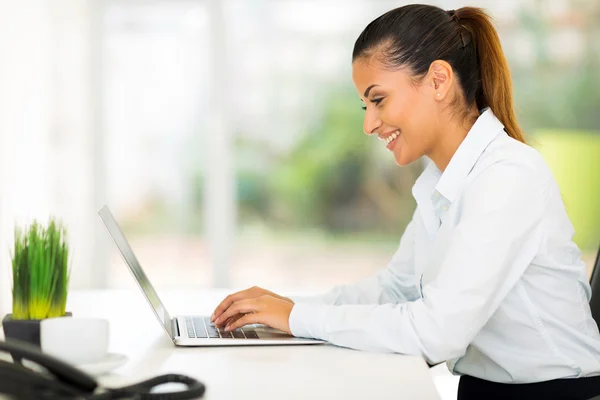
[[368, 90]]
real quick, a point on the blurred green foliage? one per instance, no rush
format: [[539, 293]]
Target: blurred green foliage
[[326, 170], [334, 179], [574, 157], [338, 180], [558, 93]]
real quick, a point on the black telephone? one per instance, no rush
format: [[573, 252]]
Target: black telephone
[[63, 381]]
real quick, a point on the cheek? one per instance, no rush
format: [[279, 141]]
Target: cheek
[[421, 111], [408, 112], [415, 121]]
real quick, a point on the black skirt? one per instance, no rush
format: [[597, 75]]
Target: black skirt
[[470, 388]]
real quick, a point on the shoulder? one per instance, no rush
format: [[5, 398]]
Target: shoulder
[[506, 158], [506, 173]]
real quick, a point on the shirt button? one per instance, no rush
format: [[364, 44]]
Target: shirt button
[[445, 208], [436, 195]]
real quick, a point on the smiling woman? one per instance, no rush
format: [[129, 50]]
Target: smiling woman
[[486, 276], [416, 99]]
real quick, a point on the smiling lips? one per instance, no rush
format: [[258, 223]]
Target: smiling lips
[[390, 139]]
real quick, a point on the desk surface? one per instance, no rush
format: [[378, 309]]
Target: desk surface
[[266, 372]]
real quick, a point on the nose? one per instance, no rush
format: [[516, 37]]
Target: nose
[[371, 123]]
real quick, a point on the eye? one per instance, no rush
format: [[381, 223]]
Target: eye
[[377, 101]]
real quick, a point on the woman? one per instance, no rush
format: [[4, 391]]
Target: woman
[[486, 276]]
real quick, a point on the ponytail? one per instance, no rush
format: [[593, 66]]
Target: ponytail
[[415, 35], [496, 83]]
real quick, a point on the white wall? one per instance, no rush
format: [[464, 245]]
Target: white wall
[[23, 121], [77, 190], [47, 145]]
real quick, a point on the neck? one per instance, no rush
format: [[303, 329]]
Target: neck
[[449, 139]]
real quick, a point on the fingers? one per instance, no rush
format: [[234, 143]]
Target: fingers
[[231, 320], [239, 307], [227, 301], [252, 318]]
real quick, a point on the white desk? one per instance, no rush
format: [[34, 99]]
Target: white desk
[[282, 372]]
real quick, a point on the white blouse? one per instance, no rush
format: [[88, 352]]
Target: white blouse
[[486, 276]]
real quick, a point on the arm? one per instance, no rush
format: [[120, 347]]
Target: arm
[[492, 245], [394, 284]]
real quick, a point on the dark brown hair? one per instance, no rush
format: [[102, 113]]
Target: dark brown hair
[[415, 35]]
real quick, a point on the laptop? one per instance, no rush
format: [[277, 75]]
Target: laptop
[[192, 330]]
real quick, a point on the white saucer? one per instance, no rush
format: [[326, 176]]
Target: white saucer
[[110, 362]]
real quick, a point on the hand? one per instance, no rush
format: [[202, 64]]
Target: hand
[[268, 310], [251, 293]]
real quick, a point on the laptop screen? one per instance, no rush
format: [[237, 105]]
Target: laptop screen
[[136, 270]]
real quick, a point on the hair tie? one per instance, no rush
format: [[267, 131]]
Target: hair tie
[[465, 33], [452, 14]]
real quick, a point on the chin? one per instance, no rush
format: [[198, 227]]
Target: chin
[[402, 160]]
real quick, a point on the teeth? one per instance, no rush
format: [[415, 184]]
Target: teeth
[[392, 137]]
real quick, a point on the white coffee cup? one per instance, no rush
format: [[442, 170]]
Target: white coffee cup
[[75, 340]]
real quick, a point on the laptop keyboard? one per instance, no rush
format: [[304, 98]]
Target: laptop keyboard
[[201, 327]]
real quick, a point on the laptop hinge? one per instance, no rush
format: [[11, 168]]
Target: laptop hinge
[[175, 328]]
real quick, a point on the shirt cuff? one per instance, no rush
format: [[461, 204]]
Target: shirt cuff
[[306, 320]]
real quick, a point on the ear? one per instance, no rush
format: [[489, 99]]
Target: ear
[[439, 77]]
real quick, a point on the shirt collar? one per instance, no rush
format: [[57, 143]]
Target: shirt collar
[[423, 191], [432, 183], [448, 183], [481, 134]]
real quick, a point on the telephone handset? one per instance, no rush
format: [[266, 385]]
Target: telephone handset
[[63, 381]]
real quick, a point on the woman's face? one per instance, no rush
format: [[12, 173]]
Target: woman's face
[[400, 111]]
